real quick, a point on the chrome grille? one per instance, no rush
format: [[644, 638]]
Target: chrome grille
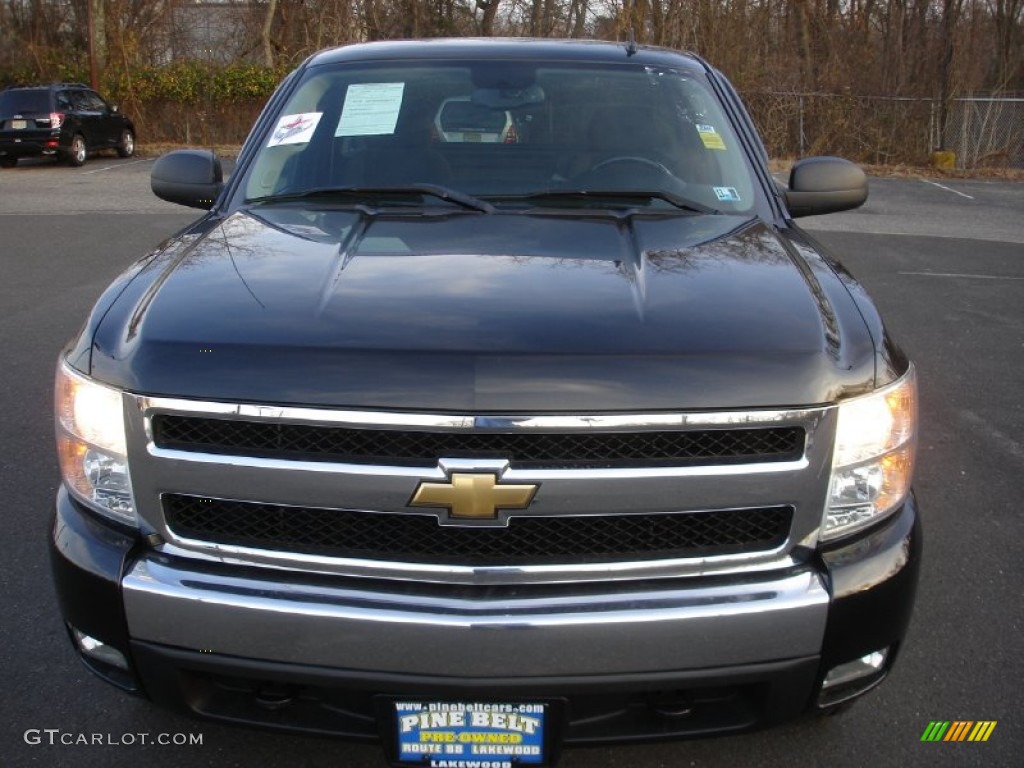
[[527, 450], [527, 540], [624, 496]]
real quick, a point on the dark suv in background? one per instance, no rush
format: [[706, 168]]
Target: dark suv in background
[[68, 120]]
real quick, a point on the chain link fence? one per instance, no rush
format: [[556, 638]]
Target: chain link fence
[[983, 132]]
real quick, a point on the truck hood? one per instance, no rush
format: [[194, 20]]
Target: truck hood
[[503, 312]]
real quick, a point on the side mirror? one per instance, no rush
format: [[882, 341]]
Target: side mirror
[[191, 177], [819, 185]]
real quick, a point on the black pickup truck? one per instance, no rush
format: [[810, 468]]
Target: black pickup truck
[[495, 404]]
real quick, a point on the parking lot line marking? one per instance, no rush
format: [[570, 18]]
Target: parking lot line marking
[[1001, 439], [120, 165], [958, 274], [948, 189]]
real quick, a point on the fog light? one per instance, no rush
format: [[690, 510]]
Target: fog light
[[98, 650], [853, 678]]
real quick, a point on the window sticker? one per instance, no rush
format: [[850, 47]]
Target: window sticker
[[710, 137], [727, 194], [295, 129], [371, 109]]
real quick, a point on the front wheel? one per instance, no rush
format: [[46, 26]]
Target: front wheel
[[126, 147], [8, 162], [77, 153]]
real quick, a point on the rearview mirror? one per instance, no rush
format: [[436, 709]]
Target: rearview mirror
[[508, 98], [819, 185], [191, 177]]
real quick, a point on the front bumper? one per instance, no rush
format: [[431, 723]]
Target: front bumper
[[657, 659]]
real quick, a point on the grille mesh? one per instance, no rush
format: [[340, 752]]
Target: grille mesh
[[527, 449], [419, 538]]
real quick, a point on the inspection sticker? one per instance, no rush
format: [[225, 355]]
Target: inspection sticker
[[710, 137], [295, 129], [463, 734], [727, 194], [371, 109]]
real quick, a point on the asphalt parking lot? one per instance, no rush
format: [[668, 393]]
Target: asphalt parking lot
[[943, 259]]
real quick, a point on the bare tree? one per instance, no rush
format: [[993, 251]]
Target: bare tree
[[268, 26]]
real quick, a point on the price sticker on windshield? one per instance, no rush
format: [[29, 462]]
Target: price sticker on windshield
[[370, 109]]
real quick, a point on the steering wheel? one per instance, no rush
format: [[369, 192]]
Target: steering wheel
[[648, 174], [631, 159]]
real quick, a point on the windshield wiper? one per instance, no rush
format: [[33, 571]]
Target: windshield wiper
[[433, 190], [599, 195]]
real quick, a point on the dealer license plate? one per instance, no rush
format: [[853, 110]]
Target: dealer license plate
[[463, 734], [19, 125]]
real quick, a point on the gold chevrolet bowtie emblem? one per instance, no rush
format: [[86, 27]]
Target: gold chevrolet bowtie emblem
[[473, 495]]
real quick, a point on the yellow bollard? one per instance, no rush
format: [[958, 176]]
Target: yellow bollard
[[944, 160]]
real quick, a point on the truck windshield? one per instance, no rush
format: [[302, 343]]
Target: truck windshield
[[507, 130]]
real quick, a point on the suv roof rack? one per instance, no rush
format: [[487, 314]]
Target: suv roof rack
[[47, 85]]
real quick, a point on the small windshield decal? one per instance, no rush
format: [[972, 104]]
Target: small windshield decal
[[371, 109], [294, 129], [727, 194], [710, 137]]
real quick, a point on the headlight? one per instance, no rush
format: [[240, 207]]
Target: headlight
[[91, 444], [873, 463]]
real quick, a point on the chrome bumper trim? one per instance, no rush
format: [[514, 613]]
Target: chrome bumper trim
[[555, 632]]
